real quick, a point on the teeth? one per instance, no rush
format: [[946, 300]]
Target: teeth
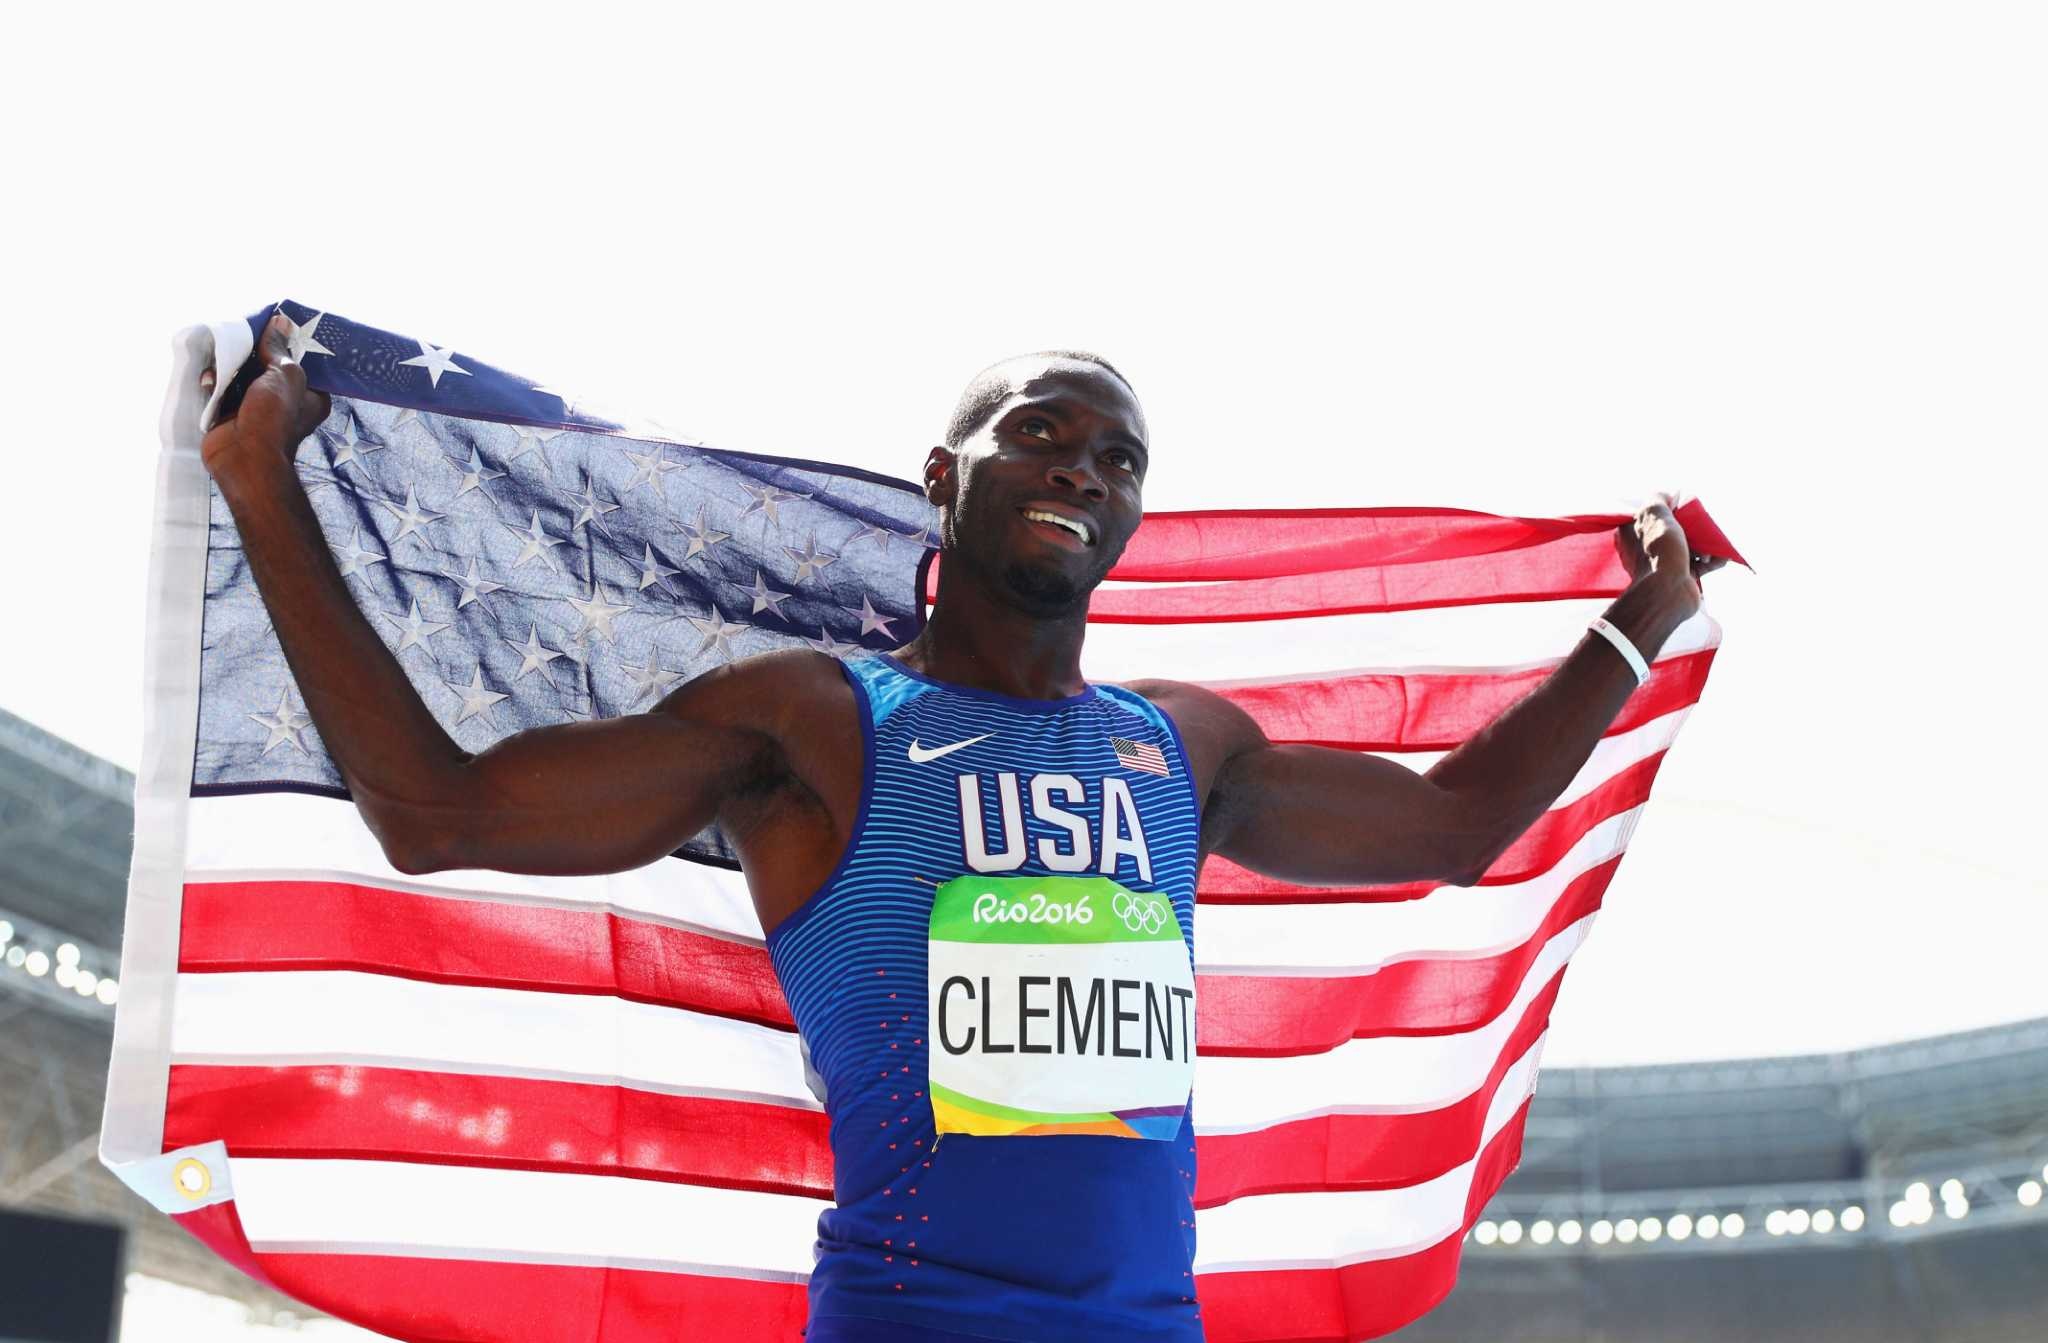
[[1039, 515]]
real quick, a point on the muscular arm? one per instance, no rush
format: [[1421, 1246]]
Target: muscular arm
[[1317, 816], [579, 798]]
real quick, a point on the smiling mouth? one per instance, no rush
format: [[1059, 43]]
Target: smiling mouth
[[1077, 527]]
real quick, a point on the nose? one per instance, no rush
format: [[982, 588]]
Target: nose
[[1079, 476]]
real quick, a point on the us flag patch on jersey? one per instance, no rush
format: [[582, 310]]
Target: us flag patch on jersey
[[1139, 755]]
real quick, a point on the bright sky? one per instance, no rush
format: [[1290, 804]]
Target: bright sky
[[1785, 257]]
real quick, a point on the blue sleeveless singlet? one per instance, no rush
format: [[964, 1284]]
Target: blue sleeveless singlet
[[994, 991]]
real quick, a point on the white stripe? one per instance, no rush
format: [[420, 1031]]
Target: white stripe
[[309, 1016], [1331, 1228], [138, 1072], [1451, 922], [252, 836], [1464, 638], [248, 836], [1381, 1075], [469, 1212]]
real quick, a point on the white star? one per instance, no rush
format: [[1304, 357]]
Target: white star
[[765, 600], [653, 571], [871, 531], [648, 469], [475, 475], [536, 656], [405, 417], [653, 678], [302, 341], [538, 542], [285, 724], [592, 510], [435, 361], [870, 621], [719, 631], [355, 557], [597, 613], [412, 517], [766, 497], [417, 630], [825, 643], [533, 441], [347, 447], [702, 536], [474, 589], [475, 699], [810, 559]]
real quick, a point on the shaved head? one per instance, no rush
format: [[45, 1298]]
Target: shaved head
[[995, 384]]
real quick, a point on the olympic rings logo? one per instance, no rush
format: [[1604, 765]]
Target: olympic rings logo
[[1146, 917]]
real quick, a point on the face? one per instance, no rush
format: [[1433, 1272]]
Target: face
[[1044, 497]]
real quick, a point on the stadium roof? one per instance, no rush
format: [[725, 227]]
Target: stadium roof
[[67, 822]]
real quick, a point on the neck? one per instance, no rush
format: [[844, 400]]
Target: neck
[[976, 639]]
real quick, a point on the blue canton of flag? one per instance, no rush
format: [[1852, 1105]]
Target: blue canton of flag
[[530, 562], [1138, 755]]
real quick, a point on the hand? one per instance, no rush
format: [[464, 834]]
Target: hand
[[1654, 543], [274, 413]]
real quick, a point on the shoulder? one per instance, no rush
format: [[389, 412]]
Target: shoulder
[[1200, 712], [1213, 730], [786, 694]]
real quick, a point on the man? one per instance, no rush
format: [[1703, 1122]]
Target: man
[[975, 871]]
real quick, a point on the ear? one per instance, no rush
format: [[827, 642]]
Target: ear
[[941, 478]]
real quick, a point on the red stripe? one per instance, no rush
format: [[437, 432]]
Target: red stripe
[[1436, 711], [1223, 544], [337, 925], [446, 1300], [1271, 1016], [512, 1123], [1539, 849], [1361, 1151], [1357, 1301]]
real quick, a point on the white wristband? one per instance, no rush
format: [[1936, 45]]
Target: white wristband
[[1622, 646]]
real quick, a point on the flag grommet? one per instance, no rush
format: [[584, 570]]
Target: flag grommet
[[191, 1178]]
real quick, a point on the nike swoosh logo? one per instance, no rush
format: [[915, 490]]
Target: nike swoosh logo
[[920, 754]]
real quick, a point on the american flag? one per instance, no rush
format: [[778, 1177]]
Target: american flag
[[488, 1106], [1139, 755]]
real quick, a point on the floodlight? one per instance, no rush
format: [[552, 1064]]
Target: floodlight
[[1797, 1220], [1510, 1232], [1570, 1232], [67, 954], [1625, 1230], [1732, 1225], [1680, 1226], [1709, 1227], [109, 992], [15, 955], [1823, 1221], [1603, 1231], [1775, 1223], [67, 974], [6, 931], [1541, 1233], [1852, 1217], [2030, 1193], [1916, 1192], [1486, 1233], [1651, 1229], [37, 963]]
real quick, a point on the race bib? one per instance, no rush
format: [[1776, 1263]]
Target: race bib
[[1058, 1005]]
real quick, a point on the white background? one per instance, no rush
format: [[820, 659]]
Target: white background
[[1785, 257]]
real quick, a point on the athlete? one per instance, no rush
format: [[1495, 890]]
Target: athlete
[[963, 842]]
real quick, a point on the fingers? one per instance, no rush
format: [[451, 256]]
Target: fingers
[[275, 347]]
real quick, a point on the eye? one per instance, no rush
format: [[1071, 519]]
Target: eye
[[1035, 425], [1122, 457]]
